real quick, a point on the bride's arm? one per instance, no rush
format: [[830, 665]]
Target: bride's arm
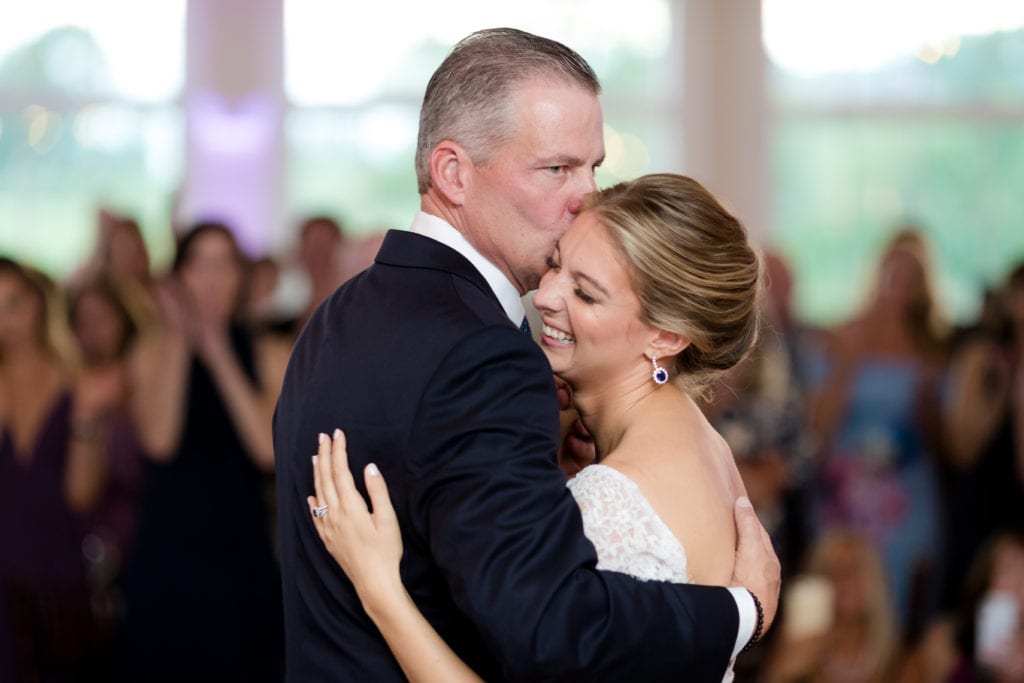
[[368, 546]]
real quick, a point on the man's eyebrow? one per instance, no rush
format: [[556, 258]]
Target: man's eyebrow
[[561, 160]]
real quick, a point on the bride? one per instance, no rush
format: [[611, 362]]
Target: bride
[[650, 294]]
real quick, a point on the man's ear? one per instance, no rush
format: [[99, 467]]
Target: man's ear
[[667, 344], [450, 167]]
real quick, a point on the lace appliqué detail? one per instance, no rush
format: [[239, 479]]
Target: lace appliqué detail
[[626, 531]]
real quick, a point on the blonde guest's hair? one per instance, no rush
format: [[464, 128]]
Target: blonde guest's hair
[[692, 266], [924, 315], [878, 619], [52, 332]]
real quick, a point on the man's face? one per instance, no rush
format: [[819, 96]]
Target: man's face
[[520, 204]]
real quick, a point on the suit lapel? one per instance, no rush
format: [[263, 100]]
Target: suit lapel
[[410, 250]]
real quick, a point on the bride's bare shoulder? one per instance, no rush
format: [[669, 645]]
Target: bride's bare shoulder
[[708, 515], [692, 485]]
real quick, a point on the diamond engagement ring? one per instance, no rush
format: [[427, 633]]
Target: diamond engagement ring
[[320, 511]]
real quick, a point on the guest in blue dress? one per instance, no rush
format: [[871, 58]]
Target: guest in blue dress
[[876, 414]]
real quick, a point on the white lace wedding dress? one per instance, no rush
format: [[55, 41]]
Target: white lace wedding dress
[[627, 533]]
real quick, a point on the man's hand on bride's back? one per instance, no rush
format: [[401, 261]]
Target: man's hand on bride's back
[[757, 566]]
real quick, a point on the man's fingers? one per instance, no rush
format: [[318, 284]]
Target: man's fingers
[[747, 524], [757, 566], [383, 511]]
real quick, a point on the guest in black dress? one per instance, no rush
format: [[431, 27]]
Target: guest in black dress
[[203, 589]]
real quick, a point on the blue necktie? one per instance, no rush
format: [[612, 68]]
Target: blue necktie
[[525, 328]]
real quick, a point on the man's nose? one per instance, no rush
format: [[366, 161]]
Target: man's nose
[[585, 187]]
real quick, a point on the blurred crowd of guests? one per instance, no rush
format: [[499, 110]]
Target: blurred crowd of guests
[[135, 456], [885, 456]]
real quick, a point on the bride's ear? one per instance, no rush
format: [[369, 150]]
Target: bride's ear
[[667, 344]]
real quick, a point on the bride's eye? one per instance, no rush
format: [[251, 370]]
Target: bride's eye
[[550, 262], [586, 298]]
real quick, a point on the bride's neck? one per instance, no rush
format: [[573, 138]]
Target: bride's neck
[[611, 410]]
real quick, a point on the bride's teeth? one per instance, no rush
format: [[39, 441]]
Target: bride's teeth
[[559, 335]]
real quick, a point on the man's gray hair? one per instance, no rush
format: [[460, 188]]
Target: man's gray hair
[[468, 97]]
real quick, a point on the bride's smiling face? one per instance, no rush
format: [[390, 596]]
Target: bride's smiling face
[[591, 313]]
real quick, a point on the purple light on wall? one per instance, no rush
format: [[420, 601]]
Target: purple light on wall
[[234, 159]]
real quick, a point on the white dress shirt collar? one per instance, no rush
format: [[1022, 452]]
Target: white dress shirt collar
[[440, 230]]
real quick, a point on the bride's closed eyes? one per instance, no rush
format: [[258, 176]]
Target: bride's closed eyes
[[586, 298], [577, 290]]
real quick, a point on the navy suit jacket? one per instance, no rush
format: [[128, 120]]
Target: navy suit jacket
[[416, 360]]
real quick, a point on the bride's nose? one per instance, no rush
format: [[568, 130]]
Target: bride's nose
[[546, 298]]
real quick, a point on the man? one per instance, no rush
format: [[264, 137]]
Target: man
[[421, 360], [319, 254]]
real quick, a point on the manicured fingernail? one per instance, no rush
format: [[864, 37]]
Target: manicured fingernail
[[372, 470], [337, 433], [322, 437], [744, 502], [314, 461]]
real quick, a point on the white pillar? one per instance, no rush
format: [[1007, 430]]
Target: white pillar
[[724, 99], [234, 107]]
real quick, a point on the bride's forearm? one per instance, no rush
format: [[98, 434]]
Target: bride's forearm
[[420, 651]]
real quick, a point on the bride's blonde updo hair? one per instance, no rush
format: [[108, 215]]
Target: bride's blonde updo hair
[[692, 267]]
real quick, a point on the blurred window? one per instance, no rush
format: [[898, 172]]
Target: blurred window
[[889, 114], [355, 98], [88, 118]]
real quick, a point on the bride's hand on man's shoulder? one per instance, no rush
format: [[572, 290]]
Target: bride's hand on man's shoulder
[[367, 545]]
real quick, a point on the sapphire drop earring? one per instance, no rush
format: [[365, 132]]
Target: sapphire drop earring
[[660, 374]]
